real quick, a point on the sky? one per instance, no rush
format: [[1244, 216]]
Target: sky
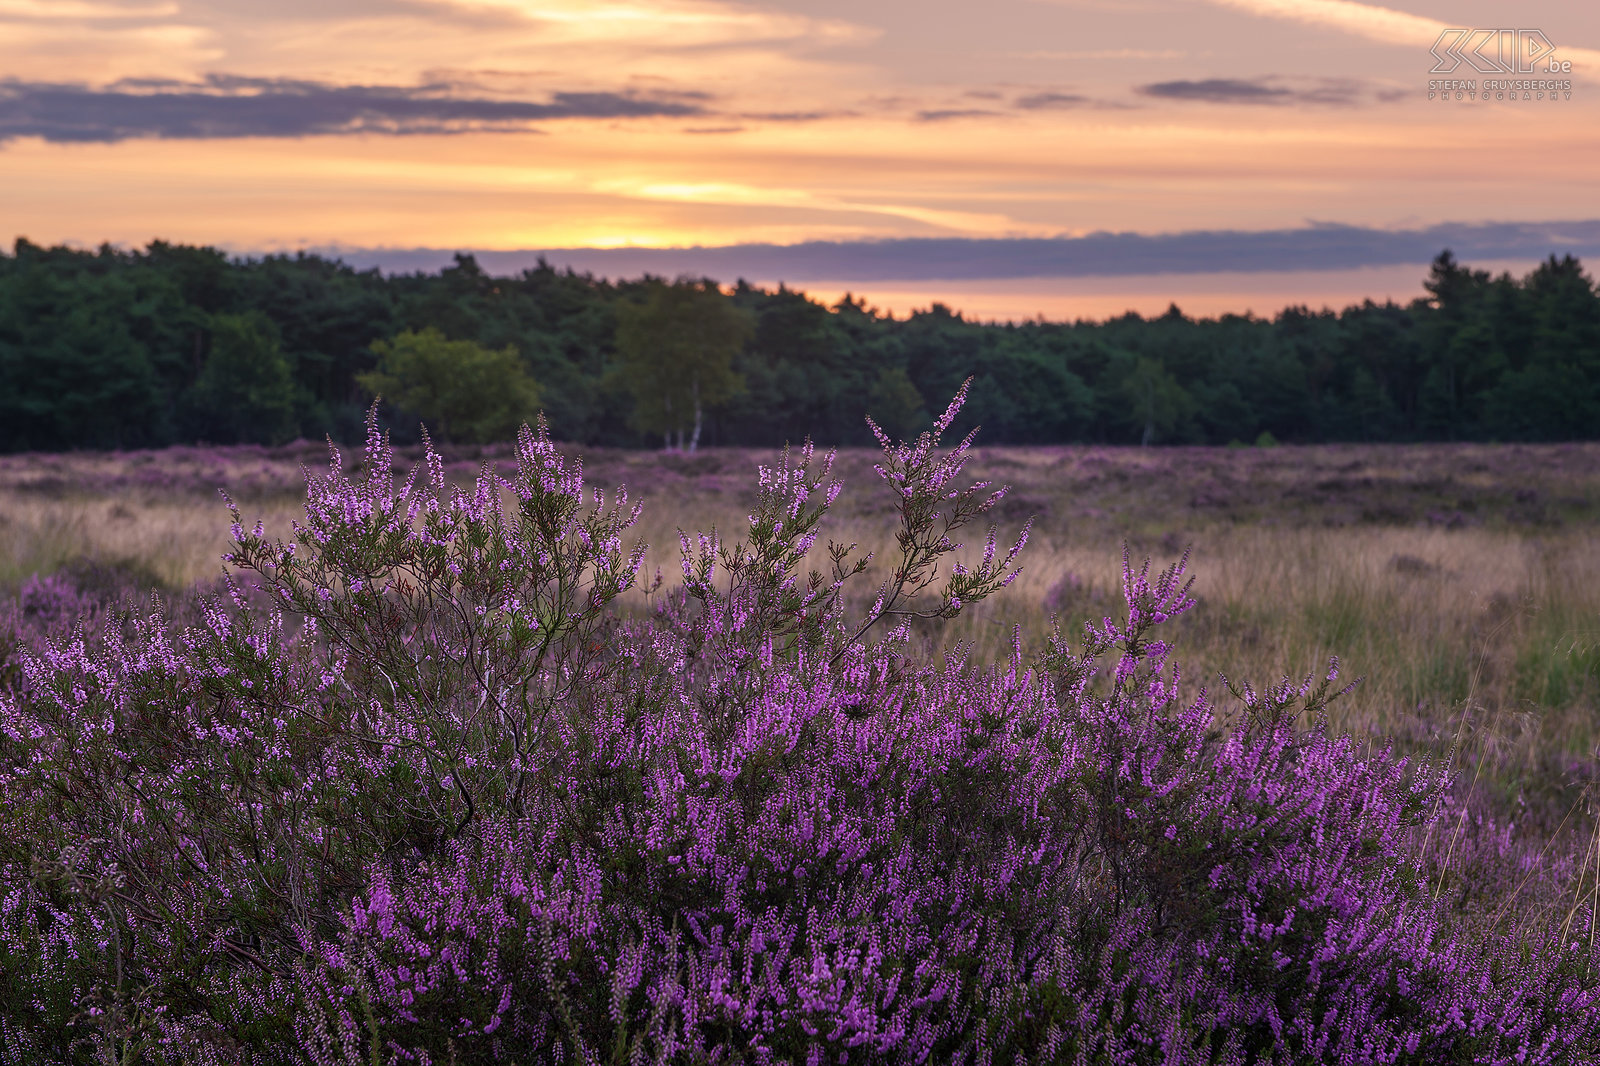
[[1012, 158]]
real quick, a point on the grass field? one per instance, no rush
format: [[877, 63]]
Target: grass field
[[1462, 581]]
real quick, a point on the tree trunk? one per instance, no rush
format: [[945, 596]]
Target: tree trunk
[[694, 439]]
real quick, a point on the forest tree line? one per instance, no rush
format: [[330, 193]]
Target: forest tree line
[[174, 343]]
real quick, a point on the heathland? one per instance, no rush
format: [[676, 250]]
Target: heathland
[[1460, 581]]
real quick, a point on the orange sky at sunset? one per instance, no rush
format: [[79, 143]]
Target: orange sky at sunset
[[528, 124]]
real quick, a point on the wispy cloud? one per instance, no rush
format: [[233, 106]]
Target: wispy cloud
[[1051, 101], [1334, 92], [794, 116], [1382, 24], [773, 197], [1104, 53], [744, 47], [945, 114], [674, 23], [1367, 20], [84, 9], [225, 106]]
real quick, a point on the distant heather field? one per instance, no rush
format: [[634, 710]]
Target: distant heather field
[[1462, 580]]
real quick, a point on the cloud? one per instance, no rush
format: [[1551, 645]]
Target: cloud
[[1318, 246], [795, 116], [227, 106], [1104, 53], [1051, 101], [676, 24], [1381, 24], [1366, 20], [1335, 92], [83, 9], [1217, 91], [947, 113]]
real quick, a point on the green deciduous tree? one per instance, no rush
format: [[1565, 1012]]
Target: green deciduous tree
[[462, 390], [895, 403], [677, 347], [1153, 401], [246, 389]]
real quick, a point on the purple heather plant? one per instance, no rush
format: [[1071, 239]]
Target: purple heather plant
[[441, 799]]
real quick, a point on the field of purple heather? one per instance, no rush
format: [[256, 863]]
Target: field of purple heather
[[1460, 582], [1442, 572]]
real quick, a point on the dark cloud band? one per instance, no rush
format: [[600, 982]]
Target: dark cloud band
[[1334, 92], [224, 106], [1317, 247], [1052, 101]]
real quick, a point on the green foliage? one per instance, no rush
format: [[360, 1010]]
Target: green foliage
[[108, 348], [677, 348], [1152, 401], [246, 390], [465, 391], [903, 413], [87, 354]]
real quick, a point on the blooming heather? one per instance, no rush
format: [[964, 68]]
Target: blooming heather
[[417, 789]]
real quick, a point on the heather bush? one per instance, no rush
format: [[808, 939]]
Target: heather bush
[[417, 787]]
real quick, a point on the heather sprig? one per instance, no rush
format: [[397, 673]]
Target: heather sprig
[[752, 591], [930, 510], [1273, 708]]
